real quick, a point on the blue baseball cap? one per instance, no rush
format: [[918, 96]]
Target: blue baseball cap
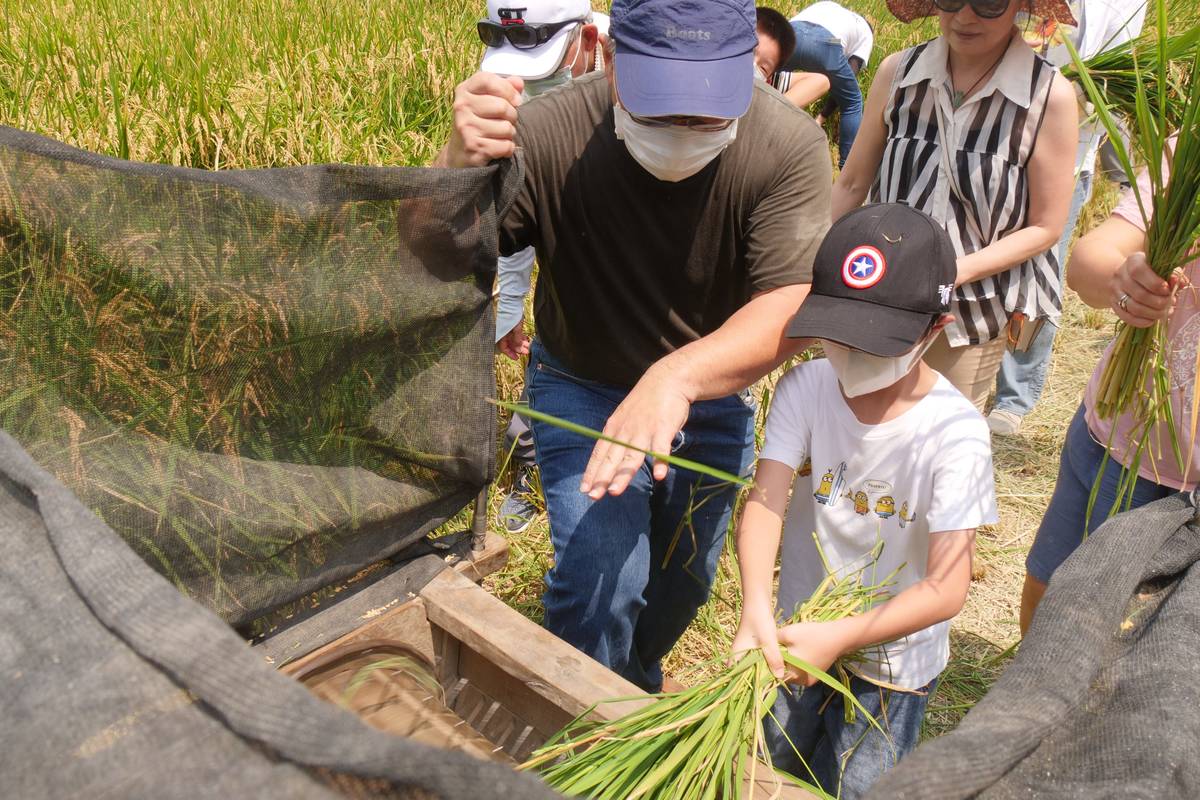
[[686, 57]]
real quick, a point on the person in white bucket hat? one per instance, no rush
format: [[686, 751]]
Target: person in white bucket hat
[[538, 39], [573, 44]]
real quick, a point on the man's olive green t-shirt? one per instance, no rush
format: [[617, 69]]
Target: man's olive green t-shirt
[[632, 268]]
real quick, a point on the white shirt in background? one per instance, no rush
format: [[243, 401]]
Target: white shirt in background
[[514, 278], [927, 471], [851, 29], [1103, 25]]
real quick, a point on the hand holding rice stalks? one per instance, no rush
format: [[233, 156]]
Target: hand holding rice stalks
[[707, 742], [1137, 379]]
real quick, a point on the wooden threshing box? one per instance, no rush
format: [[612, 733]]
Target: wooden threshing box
[[504, 685]]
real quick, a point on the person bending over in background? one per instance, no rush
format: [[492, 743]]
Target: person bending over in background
[[1108, 269], [979, 132], [873, 445], [671, 256], [574, 49], [833, 44], [776, 41], [1103, 24]]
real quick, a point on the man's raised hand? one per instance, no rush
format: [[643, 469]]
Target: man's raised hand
[[485, 121]]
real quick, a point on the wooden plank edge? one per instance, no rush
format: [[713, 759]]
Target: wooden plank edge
[[492, 558], [564, 676]]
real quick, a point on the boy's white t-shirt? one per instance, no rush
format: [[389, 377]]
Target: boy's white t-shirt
[[927, 471]]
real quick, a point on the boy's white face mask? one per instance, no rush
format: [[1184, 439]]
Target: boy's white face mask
[[862, 373], [671, 152]]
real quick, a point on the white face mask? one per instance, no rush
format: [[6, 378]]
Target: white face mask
[[562, 75], [862, 373], [671, 152]]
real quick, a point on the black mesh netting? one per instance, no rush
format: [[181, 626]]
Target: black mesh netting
[[262, 380], [114, 685], [1102, 699]]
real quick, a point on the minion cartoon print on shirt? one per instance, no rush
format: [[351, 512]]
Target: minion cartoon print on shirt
[[830, 489], [885, 506], [874, 496]]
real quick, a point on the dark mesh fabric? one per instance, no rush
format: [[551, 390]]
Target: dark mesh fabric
[[262, 380], [1102, 698], [115, 685]]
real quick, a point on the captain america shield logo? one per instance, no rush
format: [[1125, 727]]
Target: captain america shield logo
[[863, 268]]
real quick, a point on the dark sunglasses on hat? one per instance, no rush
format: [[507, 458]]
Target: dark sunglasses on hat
[[523, 36], [985, 9]]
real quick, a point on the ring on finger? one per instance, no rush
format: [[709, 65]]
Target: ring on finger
[[1123, 302]]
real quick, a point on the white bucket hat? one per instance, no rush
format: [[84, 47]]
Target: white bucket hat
[[536, 62]]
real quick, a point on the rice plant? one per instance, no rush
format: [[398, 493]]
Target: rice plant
[[1120, 72], [706, 742], [260, 83]]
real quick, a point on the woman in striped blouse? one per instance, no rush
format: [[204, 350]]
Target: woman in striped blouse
[[979, 132]]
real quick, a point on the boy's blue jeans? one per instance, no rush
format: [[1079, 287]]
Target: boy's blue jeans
[[609, 592], [818, 50], [845, 758], [1023, 374]]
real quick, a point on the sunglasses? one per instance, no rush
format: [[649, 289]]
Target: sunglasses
[[521, 36], [984, 9], [701, 124]]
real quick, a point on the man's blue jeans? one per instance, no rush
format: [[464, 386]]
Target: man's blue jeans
[[818, 50], [630, 572], [1023, 374], [845, 758]]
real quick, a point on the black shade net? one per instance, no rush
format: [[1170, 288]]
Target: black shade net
[[261, 380], [114, 685], [1102, 699]]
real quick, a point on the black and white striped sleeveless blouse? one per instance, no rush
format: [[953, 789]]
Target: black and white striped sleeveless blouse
[[967, 168]]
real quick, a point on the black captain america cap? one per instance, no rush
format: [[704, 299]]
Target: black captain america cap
[[882, 276]]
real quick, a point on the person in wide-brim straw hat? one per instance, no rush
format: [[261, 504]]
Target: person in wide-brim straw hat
[[909, 10], [978, 131]]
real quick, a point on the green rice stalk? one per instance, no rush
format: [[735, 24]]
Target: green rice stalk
[[1118, 71], [683, 463], [1136, 380], [703, 742]]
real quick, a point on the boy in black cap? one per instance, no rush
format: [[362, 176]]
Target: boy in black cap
[[873, 445]]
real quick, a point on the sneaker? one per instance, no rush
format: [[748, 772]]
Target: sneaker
[[519, 506], [1004, 423]]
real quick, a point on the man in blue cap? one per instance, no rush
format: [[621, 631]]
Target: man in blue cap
[[672, 256]]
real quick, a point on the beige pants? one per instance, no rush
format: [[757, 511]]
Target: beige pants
[[972, 368]]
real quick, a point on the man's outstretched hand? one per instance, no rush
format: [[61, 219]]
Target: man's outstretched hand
[[649, 417], [485, 121]]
